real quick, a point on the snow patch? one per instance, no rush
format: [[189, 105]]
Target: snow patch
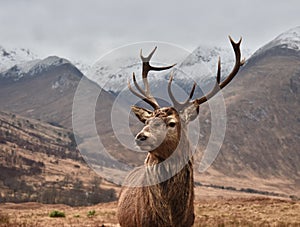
[[82, 67], [31, 68], [288, 40], [11, 57], [200, 65]]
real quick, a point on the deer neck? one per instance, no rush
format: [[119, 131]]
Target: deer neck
[[175, 195], [178, 160]]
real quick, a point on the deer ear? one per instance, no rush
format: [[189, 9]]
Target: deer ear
[[141, 113], [189, 113]]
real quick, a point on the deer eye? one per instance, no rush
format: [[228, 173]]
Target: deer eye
[[169, 112], [172, 124]]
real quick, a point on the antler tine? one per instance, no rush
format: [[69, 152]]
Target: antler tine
[[145, 94], [174, 101], [218, 86], [138, 86], [148, 58], [150, 100], [238, 62], [147, 67], [178, 105], [146, 63]]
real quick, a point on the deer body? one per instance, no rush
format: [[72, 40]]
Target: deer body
[[169, 203], [161, 193]]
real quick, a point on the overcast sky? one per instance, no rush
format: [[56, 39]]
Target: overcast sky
[[87, 29]]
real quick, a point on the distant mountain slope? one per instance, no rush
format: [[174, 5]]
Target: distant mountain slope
[[46, 92], [262, 137], [40, 162], [43, 91], [33, 68], [287, 40], [112, 73], [287, 43], [11, 57], [201, 64]]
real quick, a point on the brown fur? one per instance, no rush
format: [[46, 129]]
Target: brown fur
[[169, 203]]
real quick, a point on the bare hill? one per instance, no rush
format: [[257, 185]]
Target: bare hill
[[40, 162], [46, 92], [261, 146]]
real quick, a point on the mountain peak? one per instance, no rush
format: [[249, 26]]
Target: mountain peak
[[11, 57], [286, 41], [54, 60], [33, 67], [290, 38]]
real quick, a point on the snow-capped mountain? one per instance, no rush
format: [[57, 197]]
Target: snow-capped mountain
[[31, 68], [43, 89], [289, 40], [18, 62], [199, 66], [9, 58], [82, 66], [113, 77]]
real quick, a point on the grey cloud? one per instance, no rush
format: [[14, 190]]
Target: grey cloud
[[87, 29]]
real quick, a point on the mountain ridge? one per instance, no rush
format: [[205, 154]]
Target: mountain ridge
[[287, 43], [11, 57], [262, 102]]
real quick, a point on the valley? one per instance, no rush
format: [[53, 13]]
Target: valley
[[254, 179]]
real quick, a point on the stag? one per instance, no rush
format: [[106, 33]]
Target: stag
[[161, 192]]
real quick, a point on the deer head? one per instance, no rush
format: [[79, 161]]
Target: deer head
[[164, 126]]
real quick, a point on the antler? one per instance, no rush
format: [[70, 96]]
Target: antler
[[218, 86], [145, 94]]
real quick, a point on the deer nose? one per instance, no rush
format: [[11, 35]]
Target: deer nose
[[141, 137]]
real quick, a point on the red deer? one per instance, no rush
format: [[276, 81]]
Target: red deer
[[161, 193]]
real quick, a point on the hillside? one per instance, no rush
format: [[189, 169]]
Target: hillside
[[260, 150], [46, 90], [261, 146], [40, 162], [40, 90]]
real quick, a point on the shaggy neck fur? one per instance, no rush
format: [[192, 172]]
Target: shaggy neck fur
[[169, 203]]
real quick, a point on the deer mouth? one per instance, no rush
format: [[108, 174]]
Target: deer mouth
[[147, 145], [144, 146]]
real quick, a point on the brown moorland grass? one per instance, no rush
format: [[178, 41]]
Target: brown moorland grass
[[248, 211]]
